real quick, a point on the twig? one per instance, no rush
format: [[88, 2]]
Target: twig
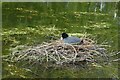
[[46, 54], [74, 50], [57, 55]]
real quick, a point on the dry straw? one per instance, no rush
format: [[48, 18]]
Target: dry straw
[[56, 52]]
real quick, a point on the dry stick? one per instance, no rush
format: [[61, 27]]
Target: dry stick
[[115, 54], [98, 53], [57, 55], [62, 55], [56, 52], [45, 45], [105, 56], [74, 50], [89, 55], [22, 56], [37, 53], [65, 57], [46, 54], [13, 54], [104, 45], [30, 60], [94, 51], [53, 58], [87, 39], [115, 60]]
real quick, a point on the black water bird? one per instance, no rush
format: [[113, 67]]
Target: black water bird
[[71, 39]]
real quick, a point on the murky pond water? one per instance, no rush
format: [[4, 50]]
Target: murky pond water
[[34, 23]]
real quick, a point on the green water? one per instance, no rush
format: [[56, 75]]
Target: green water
[[34, 23]]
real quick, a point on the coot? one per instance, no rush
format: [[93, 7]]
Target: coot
[[71, 39]]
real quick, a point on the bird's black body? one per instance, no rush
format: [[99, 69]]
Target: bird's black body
[[71, 39]]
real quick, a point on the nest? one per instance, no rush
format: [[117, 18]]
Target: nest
[[56, 52]]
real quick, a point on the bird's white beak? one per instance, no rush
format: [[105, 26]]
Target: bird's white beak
[[61, 38]]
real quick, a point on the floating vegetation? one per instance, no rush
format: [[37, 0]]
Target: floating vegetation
[[56, 52]]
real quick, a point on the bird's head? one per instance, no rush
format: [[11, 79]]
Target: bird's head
[[64, 35]]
